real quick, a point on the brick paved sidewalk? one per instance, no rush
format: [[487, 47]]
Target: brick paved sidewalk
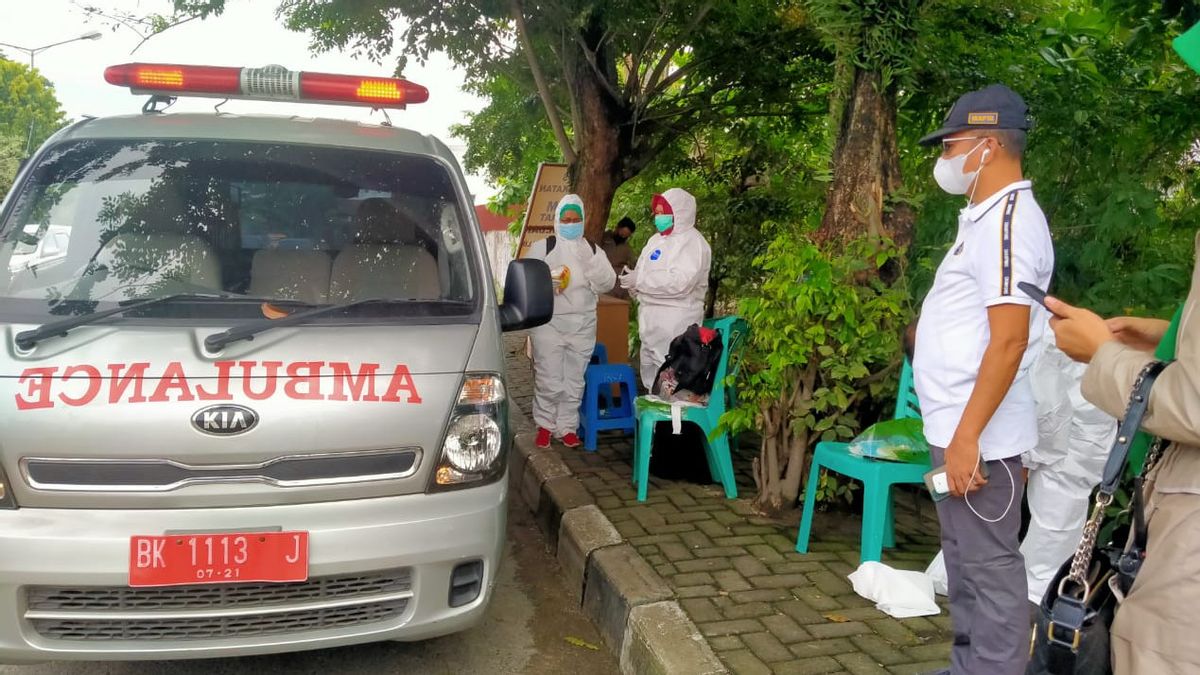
[[763, 607]]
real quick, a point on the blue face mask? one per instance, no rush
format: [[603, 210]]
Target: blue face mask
[[664, 221], [570, 231]]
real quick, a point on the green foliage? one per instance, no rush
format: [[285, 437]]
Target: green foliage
[[825, 333], [27, 103], [867, 34], [746, 178], [507, 139], [11, 151], [831, 489], [1111, 155]]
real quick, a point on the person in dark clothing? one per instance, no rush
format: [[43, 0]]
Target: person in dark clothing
[[615, 243]]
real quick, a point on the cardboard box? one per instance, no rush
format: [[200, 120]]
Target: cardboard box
[[612, 327]]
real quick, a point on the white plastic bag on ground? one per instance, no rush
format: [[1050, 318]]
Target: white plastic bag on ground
[[937, 575], [897, 593]]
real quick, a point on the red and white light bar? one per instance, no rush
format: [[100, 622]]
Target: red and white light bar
[[270, 83]]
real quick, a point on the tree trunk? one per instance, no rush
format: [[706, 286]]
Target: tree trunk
[[796, 471], [766, 475], [539, 78], [597, 173], [866, 169], [710, 298]]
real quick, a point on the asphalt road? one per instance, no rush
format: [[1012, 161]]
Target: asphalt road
[[526, 631]]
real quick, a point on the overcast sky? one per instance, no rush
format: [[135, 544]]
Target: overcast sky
[[246, 35]]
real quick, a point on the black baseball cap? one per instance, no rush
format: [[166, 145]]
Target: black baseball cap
[[991, 108]]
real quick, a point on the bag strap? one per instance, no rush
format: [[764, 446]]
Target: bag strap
[[1139, 402], [1164, 352], [1069, 612]]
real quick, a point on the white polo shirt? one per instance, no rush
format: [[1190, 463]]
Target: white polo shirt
[[990, 255]]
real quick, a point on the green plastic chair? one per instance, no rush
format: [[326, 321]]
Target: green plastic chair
[[717, 446], [877, 476]]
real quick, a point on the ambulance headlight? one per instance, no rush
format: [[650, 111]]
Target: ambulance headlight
[[472, 443], [476, 444]]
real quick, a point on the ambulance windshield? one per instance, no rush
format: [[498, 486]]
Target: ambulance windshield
[[101, 222]]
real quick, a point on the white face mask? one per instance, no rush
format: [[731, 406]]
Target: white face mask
[[949, 172]]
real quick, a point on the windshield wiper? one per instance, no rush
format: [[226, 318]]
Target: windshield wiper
[[28, 338], [247, 331]]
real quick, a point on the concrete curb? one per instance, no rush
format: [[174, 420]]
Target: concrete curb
[[665, 623], [631, 605], [582, 531]]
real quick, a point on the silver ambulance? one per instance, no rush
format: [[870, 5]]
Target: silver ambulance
[[253, 399]]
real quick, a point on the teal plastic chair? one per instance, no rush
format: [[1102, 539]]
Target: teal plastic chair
[[717, 448], [877, 476]]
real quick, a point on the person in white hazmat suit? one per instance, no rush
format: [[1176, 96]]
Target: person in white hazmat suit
[[671, 278], [1074, 439], [563, 347]]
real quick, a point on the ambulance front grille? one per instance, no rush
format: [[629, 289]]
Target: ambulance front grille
[[91, 474], [218, 610], [246, 625]]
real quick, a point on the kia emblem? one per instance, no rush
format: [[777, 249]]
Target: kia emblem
[[225, 420]]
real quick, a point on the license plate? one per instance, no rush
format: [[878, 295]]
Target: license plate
[[179, 559]]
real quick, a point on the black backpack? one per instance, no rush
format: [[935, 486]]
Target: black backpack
[[692, 361]]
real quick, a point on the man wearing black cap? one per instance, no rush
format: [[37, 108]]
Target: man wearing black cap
[[973, 351]]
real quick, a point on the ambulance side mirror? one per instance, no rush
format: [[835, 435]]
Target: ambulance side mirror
[[528, 295]]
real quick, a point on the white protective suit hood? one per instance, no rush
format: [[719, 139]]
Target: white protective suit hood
[[683, 207], [590, 273], [566, 201]]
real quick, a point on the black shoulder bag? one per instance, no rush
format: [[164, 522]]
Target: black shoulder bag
[[1071, 632]]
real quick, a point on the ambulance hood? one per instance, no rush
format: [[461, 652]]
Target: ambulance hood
[[108, 406]]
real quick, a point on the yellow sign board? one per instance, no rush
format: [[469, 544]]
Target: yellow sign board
[[549, 186]]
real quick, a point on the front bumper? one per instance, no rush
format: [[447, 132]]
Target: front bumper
[[82, 556]]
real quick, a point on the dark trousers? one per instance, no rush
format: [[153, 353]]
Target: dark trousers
[[986, 574]]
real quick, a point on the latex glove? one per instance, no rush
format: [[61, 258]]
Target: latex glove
[[628, 280]]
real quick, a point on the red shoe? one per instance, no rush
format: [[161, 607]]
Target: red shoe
[[571, 440], [543, 438]]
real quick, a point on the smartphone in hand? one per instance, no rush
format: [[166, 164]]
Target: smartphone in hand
[[938, 483], [1034, 292]]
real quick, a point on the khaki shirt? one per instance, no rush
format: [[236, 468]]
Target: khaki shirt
[[1174, 411]]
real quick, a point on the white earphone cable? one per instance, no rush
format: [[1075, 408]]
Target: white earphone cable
[[1012, 496]]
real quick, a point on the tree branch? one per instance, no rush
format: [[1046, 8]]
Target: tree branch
[[676, 75], [676, 113], [669, 55], [633, 85], [543, 88], [591, 59], [576, 116], [145, 27]]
